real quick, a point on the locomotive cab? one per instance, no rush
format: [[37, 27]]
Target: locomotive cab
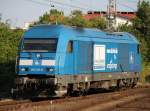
[[37, 56], [36, 63]]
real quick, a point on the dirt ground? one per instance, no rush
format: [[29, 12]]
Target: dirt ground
[[138, 105]]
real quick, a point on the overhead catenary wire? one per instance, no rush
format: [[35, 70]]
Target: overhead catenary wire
[[87, 5], [127, 6], [133, 1], [61, 5], [44, 4], [124, 5], [67, 5], [37, 2]]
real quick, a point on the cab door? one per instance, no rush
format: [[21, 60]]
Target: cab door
[[83, 57]]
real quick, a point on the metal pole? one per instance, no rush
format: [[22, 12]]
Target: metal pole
[[111, 15]]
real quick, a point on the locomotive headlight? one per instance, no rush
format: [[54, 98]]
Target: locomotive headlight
[[24, 69], [26, 62], [48, 62], [50, 69]]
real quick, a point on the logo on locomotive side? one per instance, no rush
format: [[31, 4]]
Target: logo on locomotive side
[[112, 51], [112, 58]]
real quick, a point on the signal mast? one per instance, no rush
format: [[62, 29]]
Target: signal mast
[[111, 15]]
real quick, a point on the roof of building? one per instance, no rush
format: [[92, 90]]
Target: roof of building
[[127, 15]]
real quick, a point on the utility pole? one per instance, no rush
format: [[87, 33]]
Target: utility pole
[[0, 17], [111, 15], [140, 1]]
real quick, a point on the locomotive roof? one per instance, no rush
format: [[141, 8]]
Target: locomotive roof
[[75, 33]]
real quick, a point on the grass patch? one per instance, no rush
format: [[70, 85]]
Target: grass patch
[[145, 72]]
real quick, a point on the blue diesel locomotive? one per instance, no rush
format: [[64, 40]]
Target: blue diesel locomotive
[[58, 60]]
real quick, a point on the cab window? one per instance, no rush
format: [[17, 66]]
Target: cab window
[[138, 48], [48, 45], [70, 47]]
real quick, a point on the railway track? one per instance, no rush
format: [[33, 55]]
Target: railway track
[[83, 103], [11, 102], [141, 104]]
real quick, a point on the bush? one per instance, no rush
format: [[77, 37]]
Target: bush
[[147, 78]]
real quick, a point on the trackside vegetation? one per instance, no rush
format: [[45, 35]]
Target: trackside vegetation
[[8, 49]]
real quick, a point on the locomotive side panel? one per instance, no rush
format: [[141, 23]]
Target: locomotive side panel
[[123, 58], [134, 58], [83, 57], [112, 57], [78, 58]]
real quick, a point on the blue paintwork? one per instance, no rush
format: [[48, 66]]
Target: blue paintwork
[[80, 61], [32, 56]]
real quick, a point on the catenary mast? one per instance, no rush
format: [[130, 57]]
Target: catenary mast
[[111, 15]]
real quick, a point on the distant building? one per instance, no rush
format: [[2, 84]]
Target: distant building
[[27, 25], [121, 17]]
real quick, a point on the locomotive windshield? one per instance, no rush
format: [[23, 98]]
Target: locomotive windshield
[[48, 45]]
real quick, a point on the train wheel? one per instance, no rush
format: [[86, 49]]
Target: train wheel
[[133, 84], [118, 84], [85, 92], [69, 89]]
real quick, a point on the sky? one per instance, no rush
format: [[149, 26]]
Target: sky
[[20, 12]]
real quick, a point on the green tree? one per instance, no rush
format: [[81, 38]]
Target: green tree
[[142, 25], [99, 23], [9, 40], [77, 19], [53, 16]]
